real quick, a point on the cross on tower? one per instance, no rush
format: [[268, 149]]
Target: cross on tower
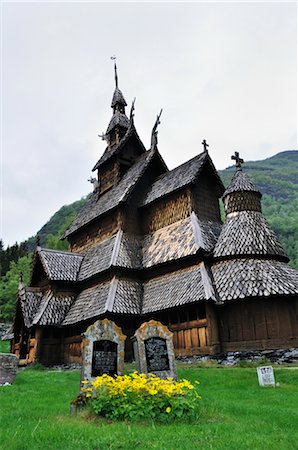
[[238, 160], [205, 145]]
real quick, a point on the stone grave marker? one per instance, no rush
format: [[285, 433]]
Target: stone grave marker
[[154, 350], [8, 368], [266, 376], [102, 350]]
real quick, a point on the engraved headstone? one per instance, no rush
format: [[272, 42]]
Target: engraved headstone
[[154, 350], [266, 376], [8, 368], [102, 350]]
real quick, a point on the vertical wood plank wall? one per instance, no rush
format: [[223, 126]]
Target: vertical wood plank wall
[[259, 324]]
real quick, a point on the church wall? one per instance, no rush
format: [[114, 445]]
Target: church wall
[[95, 233], [259, 324], [108, 176], [194, 328], [133, 218], [204, 199], [166, 211]]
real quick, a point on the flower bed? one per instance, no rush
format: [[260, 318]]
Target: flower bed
[[139, 396]]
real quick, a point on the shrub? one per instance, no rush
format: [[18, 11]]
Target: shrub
[[141, 397]]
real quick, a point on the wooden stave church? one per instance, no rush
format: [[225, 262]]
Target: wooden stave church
[[150, 244]]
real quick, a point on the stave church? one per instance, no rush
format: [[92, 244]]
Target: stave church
[[150, 244]]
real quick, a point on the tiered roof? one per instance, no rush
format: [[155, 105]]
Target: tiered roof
[[250, 261]]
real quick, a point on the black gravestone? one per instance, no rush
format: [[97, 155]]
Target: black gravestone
[[156, 354], [104, 358]]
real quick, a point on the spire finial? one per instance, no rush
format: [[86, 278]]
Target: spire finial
[[21, 277], [113, 58], [37, 241], [155, 132], [238, 160], [205, 145]]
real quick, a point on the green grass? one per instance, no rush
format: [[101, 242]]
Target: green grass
[[4, 346], [236, 414]]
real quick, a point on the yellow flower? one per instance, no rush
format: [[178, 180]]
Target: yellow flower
[[168, 409]]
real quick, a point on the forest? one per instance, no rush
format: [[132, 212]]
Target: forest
[[276, 177]]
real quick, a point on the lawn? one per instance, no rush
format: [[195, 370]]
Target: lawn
[[236, 414], [4, 346]]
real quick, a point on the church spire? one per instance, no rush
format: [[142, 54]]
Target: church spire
[[118, 100], [119, 123]]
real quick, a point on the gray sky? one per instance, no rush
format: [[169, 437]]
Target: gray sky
[[225, 72]]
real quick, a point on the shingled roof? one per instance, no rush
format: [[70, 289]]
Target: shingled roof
[[180, 177], [241, 278], [183, 238], [120, 250], [185, 286], [241, 182], [95, 206], [248, 233], [29, 300], [115, 149], [116, 296], [118, 97], [60, 265], [52, 308], [118, 119]]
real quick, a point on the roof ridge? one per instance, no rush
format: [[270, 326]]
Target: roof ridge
[[40, 313], [65, 252], [207, 283], [111, 295], [197, 231], [116, 248]]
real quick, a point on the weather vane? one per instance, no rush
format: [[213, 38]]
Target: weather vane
[[113, 58]]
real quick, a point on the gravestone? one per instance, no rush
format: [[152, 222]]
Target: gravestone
[[266, 376], [154, 350], [8, 368], [102, 350]]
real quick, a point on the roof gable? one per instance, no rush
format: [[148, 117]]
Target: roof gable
[[180, 177], [56, 265], [97, 206], [131, 135]]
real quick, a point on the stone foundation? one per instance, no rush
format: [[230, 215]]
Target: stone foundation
[[280, 356]]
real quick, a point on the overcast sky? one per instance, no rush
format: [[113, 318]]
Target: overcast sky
[[224, 72]]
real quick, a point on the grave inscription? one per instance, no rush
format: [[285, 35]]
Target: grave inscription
[[104, 358], [154, 350], [102, 350]]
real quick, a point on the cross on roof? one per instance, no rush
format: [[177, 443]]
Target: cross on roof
[[238, 160], [205, 145]]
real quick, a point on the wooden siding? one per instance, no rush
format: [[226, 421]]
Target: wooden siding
[[108, 176], [95, 233], [204, 199], [166, 211], [259, 324]]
